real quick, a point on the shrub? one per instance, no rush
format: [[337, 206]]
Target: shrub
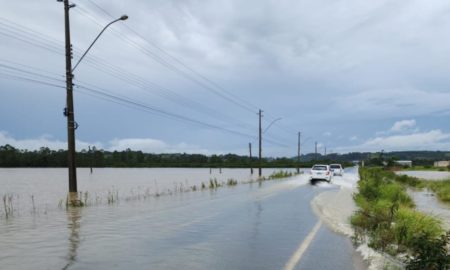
[[429, 253]]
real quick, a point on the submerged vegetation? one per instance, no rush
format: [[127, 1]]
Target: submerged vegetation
[[387, 220], [111, 196], [280, 174], [8, 206]]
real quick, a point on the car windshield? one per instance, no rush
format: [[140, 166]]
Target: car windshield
[[335, 166], [320, 168]]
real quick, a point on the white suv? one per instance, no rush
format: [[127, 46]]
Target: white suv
[[337, 169], [322, 172]]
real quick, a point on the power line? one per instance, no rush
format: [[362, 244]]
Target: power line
[[223, 93], [128, 77], [127, 102], [40, 40], [162, 60]]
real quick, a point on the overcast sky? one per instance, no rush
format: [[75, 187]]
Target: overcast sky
[[352, 75]]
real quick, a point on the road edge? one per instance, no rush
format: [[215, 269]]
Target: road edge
[[324, 207]]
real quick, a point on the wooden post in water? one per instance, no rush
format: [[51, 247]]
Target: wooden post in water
[[250, 162], [298, 153], [91, 158], [260, 144]]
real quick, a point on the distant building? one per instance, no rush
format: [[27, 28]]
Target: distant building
[[443, 163], [406, 163]]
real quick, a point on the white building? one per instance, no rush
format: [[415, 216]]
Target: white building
[[407, 163], [443, 163]]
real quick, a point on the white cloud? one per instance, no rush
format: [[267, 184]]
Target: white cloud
[[397, 102], [327, 134], [42, 141], [147, 145], [403, 125], [430, 140], [353, 138]]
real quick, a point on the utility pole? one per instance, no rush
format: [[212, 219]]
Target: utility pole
[[298, 152], [68, 110], [260, 144], [325, 151], [250, 150], [315, 151]]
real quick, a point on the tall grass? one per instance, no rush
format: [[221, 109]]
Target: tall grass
[[441, 188], [386, 216], [280, 174], [8, 206]]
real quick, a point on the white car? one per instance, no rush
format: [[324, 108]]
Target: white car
[[337, 169], [321, 172]]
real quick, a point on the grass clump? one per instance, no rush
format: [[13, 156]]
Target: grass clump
[[232, 182], [387, 218], [213, 183], [280, 174], [8, 206], [441, 188]]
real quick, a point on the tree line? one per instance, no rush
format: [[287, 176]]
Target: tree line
[[45, 157]]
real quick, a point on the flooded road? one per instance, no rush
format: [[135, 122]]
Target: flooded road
[[248, 226]]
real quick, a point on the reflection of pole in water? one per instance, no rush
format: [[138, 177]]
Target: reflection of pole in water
[[73, 224], [256, 225]]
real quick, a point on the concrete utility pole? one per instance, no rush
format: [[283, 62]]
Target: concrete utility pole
[[250, 150], [68, 110], [315, 151], [298, 152], [260, 144], [325, 151]]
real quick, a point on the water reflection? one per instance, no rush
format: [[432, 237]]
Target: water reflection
[[256, 224], [73, 224]]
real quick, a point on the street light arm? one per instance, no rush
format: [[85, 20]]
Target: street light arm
[[307, 139], [267, 128], [123, 18]]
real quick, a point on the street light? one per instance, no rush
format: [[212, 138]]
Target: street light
[[122, 18], [69, 110], [271, 123]]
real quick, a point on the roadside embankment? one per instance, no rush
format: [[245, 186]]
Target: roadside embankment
[[387, 220]]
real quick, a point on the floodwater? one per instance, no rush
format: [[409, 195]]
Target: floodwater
[[248, 226], [427, 175], [43, 189], [427, 202]]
